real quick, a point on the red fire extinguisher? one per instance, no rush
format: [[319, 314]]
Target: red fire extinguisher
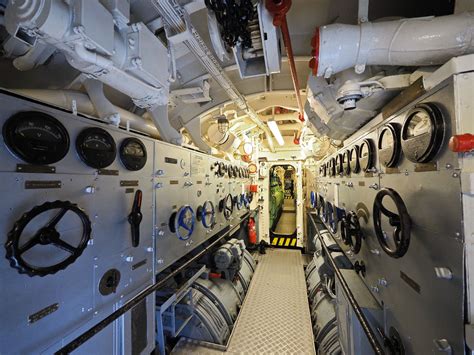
[[252, 231]]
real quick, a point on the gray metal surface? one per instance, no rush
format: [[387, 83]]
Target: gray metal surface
[[408, 285], [76, 288], [275, 317]]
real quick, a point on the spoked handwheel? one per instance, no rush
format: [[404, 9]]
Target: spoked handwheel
[[350, 231]]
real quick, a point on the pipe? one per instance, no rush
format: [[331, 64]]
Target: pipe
[[279, 8], [105, 109], [168, 133], [420, 41], [174, 16], [65, 99]]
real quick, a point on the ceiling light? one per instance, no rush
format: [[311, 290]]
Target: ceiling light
[[275, 131]]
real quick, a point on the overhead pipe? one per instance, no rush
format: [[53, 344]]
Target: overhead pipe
[[420, 41], [66, 99], [279, 9], [176, 19]]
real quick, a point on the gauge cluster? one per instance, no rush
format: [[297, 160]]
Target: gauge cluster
[[390, 198], [87, 204]]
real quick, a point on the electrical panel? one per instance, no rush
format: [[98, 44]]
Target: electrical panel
[[391, 198]]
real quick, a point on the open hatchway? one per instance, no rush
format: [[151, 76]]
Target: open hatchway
[[282, 200]]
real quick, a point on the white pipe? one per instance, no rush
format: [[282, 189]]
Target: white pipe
[[65, 98], [407, 42], [105, 109]]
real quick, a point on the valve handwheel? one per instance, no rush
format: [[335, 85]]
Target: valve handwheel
[[207, 214], [350, 231], [183, 222], [400, 220], [48, 234], [226, 205]]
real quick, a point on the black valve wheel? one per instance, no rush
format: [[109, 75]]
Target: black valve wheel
[[400, 240], [20, 254], [350, 231], [226, 206]]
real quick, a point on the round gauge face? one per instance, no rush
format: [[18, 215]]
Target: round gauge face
[[423, 133], [36, 138], [347, 162], [96, 147], [332, 167], [247, 148], [389, 145], [367, 155], [182, 163], [252, 168], [354, 160], [339, 164], [221, 170], [133, 154]]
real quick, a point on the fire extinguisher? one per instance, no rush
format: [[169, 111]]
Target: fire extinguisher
[[252, 231]]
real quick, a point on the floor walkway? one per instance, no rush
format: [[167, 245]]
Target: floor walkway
[[287, 223], [275, 317]]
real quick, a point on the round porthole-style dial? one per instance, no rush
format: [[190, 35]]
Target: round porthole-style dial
[[96, 147], [339, 164], [354, 159], [36, 138], [423, 133], [389, 145], [347, 162], [367, 155], [133, 154], [332, 167]]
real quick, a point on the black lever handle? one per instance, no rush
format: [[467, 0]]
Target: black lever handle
[[135, 218]]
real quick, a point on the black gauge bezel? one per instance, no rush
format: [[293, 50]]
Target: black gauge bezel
[[95, 162], [132, 163], [393, 153], [366, 166], [332, 167], [354, 161], [21, 150], [340, 164], [347, 162], [433, 143]]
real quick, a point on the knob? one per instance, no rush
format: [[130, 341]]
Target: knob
[[359, 267], [374, 186], [462, 143], [135, 218]]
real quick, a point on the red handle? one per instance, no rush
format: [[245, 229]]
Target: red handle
[[462, 143]]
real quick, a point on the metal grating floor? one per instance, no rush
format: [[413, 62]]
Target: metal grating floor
[[275, 317]]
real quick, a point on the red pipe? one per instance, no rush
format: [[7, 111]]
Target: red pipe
[[279, 8]]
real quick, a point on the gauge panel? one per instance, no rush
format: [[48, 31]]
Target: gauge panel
[[389, 147], [367, 155], [36, 138], [133, 154], [423, 133], [96, 147], [354, 161]]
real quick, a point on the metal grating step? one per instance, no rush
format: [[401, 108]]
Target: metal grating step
[[275, 318]]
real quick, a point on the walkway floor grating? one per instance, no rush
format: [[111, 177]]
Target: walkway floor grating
[[275, 318]]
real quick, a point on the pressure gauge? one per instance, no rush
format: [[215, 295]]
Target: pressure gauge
[[332, 167], [252, 168], [36, 138], [423, 133], [346, 161], [339, 164], [389, 145], [96, 147], [133, 154], [367, 154], [354, 159]]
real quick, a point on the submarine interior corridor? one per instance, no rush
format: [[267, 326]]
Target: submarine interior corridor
[[237, 177]]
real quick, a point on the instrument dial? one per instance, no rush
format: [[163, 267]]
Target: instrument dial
[[36, 138], [133, 154], [96, 147]]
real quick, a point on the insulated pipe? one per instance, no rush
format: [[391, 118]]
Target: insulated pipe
[[279, 8], [105, 109], [420, 41], [65, 99]]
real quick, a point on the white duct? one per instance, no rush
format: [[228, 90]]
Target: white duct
[[65, 99], [407, 42]]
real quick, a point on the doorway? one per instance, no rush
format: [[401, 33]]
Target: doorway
[[283, 184]]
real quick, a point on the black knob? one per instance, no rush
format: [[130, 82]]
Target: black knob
[[359, 267], [135, 218]]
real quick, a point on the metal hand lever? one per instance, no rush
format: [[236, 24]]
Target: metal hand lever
[[135, 218]]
